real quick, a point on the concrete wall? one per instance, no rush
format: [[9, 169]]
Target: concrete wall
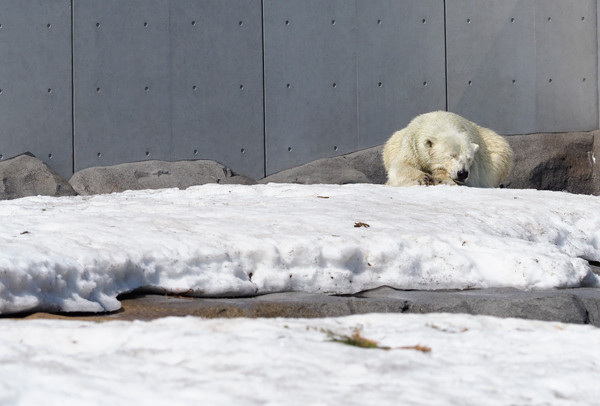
[[262, 86]]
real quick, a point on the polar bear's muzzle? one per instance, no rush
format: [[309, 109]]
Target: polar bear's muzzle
[[461, 176]]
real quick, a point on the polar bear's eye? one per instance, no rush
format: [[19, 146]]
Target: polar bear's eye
[[453, 156]]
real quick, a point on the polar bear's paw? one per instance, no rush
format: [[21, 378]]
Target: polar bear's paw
[[441, 177], [426, 180]]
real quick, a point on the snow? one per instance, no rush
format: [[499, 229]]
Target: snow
[[79, 253], [473, 360]]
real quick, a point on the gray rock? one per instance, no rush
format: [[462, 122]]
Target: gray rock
[[364, 166], [567, 305], [580, 306], [563, 162], [328, 170], [370, 162], [154, 175], [25, 175]]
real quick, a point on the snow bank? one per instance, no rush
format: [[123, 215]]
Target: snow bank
[[79, 253], [472, 361]]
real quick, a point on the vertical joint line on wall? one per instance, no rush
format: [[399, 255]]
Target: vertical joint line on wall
[[445, 57], [356, 76], [72, 86], [264, 83]]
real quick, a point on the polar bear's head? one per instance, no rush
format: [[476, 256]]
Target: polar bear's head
[[451, 152]]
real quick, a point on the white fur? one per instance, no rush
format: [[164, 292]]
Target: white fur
[[441, 148]]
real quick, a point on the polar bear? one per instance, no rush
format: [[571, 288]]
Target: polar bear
[[444, 148]]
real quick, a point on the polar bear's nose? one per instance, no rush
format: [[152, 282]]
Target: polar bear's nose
[[462, 175]]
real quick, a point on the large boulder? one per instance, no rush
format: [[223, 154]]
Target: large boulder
[[370, 162], [25, 175], [153, 175], [563, 162], [328, 170], [363, 166]]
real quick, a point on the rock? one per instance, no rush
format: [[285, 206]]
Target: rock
[[590, 300], [328, 171], [370, 162], [562, 162], [364, 166], [154, 175], [25, 175], [581, 306]]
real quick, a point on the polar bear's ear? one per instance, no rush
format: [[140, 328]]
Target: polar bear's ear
[[475, 147]]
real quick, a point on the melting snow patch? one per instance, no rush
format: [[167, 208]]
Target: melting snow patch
[[79, 253], [434, 359]]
